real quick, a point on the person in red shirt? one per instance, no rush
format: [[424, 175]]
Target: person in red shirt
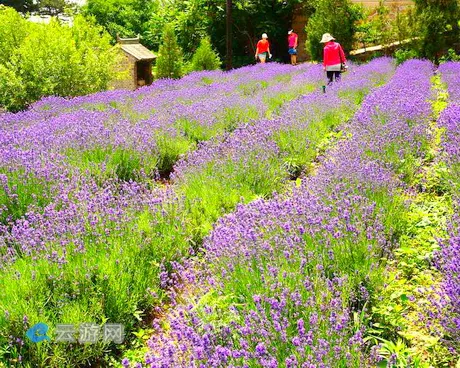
[[334, 61], [292, 43], [263, 48]]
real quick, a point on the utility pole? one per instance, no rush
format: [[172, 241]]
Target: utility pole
[[229, 35]]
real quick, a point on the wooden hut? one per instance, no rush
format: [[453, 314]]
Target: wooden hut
[[137, 61]]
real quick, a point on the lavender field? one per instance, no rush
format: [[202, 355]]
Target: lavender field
[[238, 219]]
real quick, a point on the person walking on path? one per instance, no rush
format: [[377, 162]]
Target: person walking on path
[[263, 49], [292, 43], [334, 61]]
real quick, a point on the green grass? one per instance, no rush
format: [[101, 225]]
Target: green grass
[[274, 103], [108, 282], [411, 280], [18, 191]]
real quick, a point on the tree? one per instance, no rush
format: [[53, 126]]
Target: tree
[[192, 21], [337, 17], [169, 61], [13, 30], [229, 38], [205, 57], [195, 19], [52, 7], [436, 19], [22, 6], [125, 18], [53, 59]]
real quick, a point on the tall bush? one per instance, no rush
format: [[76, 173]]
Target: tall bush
[[337, 17], [169, 62], [437, 20], [386, 24], [52, 59], [205, 58], [23, 6], [13, 30], [125, 18]]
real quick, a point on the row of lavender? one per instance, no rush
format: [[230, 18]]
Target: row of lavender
[[137, 133], [450, 248], [259, 158], [48, 154], [79, 241], [80, 200], [94, 248], [283, 278]]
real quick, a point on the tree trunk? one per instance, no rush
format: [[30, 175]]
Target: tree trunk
[[229, 35]]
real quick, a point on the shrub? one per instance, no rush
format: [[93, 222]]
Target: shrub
[[451, 55], [402, 55], [337, 17], [12, 91], [13, 30], [435, 20], [205, 57], [169, 62], [52, 59], [385, 24]]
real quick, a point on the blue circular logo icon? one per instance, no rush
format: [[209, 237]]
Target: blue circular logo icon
[[38, 332]]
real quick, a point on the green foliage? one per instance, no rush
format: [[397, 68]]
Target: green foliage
[[386, 24], [169, 62], [402, 55], [22, 6], [451, 55], [432, 24], [436, 18], [194, 20], [53, 59], [125, 18], [13, 95], [337, 17], [205, 58], [13, 30]]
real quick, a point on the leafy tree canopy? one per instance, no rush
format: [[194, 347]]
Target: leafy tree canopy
[[125, 18], [22, 6], [337, 17], [194, 20], [437, 25], [37, 60]]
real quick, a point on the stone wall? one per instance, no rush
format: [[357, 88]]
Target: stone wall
[[127, 69]]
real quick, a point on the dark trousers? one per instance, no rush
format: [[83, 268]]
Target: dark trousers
[[332, 76]]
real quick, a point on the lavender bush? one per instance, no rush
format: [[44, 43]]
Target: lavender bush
[[87, 233], [284, 278], [449, 257]]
